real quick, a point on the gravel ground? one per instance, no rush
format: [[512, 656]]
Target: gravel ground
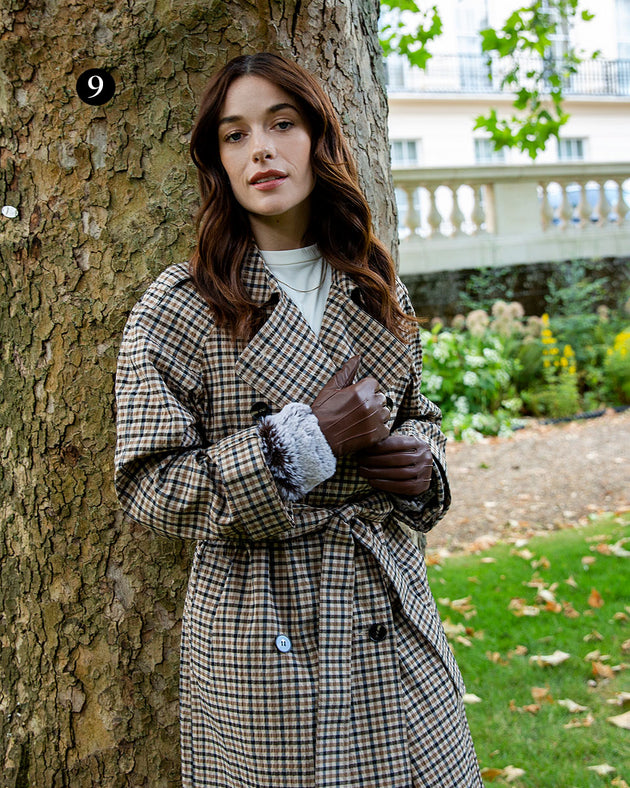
[[537, 480]]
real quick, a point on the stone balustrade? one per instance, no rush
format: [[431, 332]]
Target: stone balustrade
[[481, 216]]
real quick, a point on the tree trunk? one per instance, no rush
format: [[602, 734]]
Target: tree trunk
[[105, 198]]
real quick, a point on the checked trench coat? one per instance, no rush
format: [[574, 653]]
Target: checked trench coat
[[312, 652]]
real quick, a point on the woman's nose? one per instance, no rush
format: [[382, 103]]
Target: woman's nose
[[262, 149]]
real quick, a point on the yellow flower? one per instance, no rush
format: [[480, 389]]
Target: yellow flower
[[564, 362], [546, 363], [568, 351]]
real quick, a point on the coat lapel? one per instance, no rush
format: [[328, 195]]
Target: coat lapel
[[285, 362]]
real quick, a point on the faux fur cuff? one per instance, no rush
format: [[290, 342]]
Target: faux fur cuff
[[296, 451]]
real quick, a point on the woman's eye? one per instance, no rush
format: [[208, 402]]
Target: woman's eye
[[283, 125], [235, 136]]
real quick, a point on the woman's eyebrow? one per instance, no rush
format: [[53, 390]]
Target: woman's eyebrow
[[270, 111]]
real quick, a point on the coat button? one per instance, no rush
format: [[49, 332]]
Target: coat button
[[259, 410], [283, 644], [377, 632]]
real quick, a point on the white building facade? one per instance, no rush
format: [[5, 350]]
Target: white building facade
[[453, 186]]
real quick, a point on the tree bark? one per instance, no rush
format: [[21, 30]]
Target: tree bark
[[89, 630]]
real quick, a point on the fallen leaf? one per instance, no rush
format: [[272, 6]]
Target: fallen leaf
[[587, 560], [511, 773], [557, 658], [464, 641], [463, 606], [545, 595], [571, 705], [543, 562], [519, 651], [540, 694], [596, 655], [594, 635], [496, 658], [570, 581], [595, 598], [569, 611], [621, 720], [620, 616], [583, 722], [620, 699], [525, 554], [603, 671], [619, 550], [469, 697], [488, 560], [491, 774], [451, 629], [531, 708], [619, 782], [602, 769], [603, 548], [520, 607], [483, 542], [625, 646]]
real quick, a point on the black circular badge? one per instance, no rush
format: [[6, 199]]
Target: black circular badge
[[95, 86]]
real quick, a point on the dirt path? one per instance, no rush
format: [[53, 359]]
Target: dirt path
[[540, 478]]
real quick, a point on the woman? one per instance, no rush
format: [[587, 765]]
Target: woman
[[269, 407]]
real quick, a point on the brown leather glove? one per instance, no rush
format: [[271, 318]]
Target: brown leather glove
[[400, 464], [352, 416]]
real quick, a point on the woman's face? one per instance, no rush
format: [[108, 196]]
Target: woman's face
[[265, 148]]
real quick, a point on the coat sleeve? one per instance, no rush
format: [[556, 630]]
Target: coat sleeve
[[166, 475], [421, 418]]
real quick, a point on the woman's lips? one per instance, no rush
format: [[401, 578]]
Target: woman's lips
[[267, 179], [272, 183]]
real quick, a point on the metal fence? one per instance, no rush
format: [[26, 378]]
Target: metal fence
[[476, 74]]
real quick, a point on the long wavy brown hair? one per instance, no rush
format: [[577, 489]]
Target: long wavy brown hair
[[340, 221]]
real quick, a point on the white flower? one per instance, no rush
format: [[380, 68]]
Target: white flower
[[433, 383], [503, 377], [471, 379], [491, 355], [514, 404], [471, 436], [479, 421], [475, 361], [440, 352], [461, 405]]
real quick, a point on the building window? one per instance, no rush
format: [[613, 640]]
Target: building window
[[561, 40], [571, 149], [405, 153], [485, 152], [623, 29], [396, 72]]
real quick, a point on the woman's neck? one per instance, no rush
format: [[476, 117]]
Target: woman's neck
[[282, 232]]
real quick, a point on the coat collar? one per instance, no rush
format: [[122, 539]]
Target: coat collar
[[285, 362]]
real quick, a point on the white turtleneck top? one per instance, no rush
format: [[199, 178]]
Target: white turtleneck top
[[298, 270]]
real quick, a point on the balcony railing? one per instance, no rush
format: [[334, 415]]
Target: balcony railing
[[473, 217], [471, 74]]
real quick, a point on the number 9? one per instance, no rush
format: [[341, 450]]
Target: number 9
[[99, 82]]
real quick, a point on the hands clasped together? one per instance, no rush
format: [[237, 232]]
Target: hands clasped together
[[353, 418]]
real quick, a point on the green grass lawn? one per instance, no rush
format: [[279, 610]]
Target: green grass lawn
[[568, 592]]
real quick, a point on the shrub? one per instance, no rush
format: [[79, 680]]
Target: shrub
[[617, 369], [489, 369]]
